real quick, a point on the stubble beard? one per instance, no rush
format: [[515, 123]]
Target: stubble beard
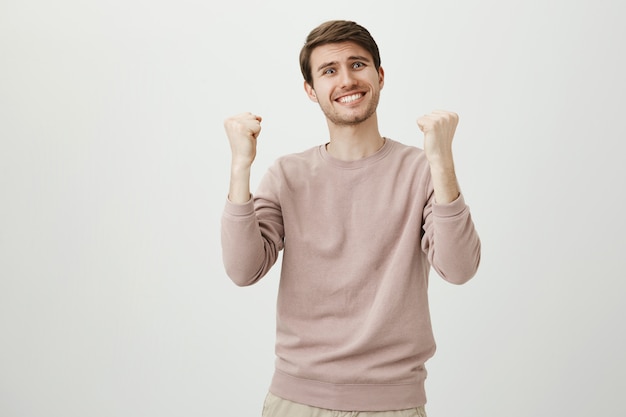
[[339, 119]]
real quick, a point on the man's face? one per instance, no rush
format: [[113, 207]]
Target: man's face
[[345, 82]]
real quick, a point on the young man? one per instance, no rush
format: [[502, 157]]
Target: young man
[[361, 220]]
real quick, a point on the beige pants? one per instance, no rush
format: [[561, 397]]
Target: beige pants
[[277, 407]]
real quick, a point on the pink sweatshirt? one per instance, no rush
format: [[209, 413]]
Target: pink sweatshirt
[[359, 238]]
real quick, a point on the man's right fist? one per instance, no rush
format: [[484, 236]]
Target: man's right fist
[[242, 131]]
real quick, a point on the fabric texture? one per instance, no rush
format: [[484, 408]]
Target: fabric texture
[[353, 329], [278, 407]]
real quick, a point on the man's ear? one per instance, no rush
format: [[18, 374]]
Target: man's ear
[[381, 77], [310, 91]]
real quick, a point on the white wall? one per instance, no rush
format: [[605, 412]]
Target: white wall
[[114, 170]]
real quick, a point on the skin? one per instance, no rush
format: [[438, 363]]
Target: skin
[[341, 71], [347, 86]]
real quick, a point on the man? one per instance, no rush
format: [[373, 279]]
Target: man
[[361, 220]]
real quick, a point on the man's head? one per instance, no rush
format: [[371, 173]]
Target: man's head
[[341, 66], [336, 31]]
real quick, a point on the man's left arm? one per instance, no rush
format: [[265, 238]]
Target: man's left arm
[[439, 127], [451, 241]]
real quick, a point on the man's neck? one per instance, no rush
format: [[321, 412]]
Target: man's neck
[[353, 142]]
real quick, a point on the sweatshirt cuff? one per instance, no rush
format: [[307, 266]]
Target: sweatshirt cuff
[[239, 210], [452, 209]]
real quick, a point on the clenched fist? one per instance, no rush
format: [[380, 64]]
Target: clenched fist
[[242, 131], [438, 127]]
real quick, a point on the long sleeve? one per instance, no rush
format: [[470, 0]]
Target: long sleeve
[[451, 241], [252, 235]]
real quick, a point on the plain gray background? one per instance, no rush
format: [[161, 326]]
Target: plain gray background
[[114, 171]]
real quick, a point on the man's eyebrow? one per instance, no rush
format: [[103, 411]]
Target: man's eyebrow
[[326, 64], [358, 58], [350, 58]]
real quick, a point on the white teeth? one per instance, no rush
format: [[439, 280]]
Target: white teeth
[[349, 99]]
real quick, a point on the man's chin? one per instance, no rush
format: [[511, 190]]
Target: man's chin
[[352, 120]]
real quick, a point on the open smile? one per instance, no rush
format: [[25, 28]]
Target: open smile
[[350, 98]]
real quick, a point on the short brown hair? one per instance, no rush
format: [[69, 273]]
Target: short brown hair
[[336, 31]]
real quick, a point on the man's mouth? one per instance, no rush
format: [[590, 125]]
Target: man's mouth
[[350, 98]]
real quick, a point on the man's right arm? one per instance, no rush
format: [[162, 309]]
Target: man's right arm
[[242, 131], [251, 231]]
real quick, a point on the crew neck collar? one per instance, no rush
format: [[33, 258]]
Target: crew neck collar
[[358, 163]]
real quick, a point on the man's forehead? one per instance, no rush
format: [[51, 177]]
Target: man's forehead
[[338, 52]]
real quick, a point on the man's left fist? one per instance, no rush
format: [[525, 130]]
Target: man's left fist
[[438, 127]]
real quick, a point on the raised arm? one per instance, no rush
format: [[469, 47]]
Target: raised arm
[[242, 131], [450, 238], [252, 231], [439, 127]]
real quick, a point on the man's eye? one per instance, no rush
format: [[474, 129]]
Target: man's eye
[[357, 65], [329, 71]]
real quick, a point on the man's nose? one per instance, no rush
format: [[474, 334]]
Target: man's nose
[[347, 79]]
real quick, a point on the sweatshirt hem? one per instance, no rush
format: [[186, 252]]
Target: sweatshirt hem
[[349, 397]]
